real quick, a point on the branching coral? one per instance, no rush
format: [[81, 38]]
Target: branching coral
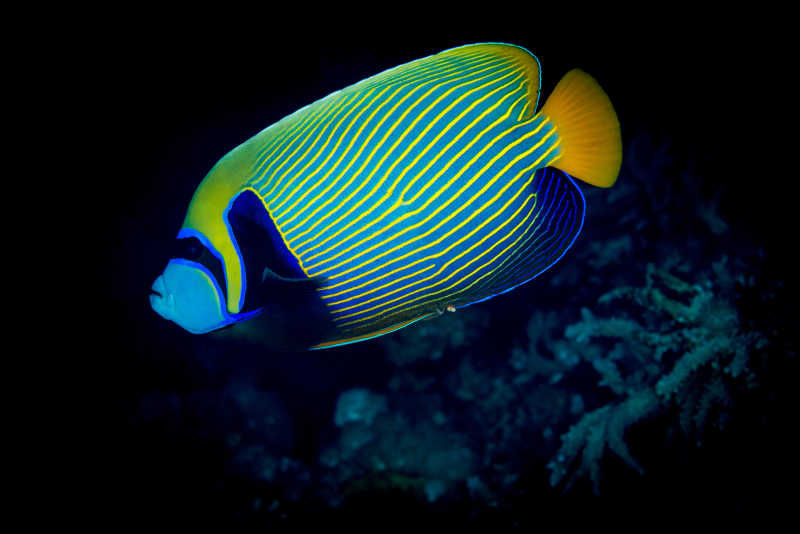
[[684, 353], [379, 448]]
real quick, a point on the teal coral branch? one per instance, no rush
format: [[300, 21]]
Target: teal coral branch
[[603, 427], [686, 365]]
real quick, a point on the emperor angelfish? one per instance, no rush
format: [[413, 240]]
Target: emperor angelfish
[[428, 187]]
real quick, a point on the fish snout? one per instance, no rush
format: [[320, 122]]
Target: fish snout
[[161, 300]]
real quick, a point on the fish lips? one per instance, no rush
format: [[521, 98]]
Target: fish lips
[[162, 302]]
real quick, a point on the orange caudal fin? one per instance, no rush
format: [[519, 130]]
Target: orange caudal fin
[[588, 129]]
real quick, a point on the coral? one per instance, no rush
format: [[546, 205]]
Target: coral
[[543, 356], [683, 354], [358, 404], [603, 427], [408, 447]]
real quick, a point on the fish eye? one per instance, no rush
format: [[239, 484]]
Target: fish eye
[[189, 248]]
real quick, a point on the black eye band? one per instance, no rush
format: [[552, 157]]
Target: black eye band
[[192, 249], [189, 248]]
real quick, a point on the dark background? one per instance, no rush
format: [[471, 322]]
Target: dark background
[[173, 98]]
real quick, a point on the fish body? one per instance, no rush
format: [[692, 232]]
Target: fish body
[[430, 186]]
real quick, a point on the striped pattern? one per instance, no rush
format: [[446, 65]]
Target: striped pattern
[[421, 187]]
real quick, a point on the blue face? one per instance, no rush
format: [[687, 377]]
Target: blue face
[[189, 292]]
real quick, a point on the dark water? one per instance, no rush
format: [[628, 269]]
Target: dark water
[[664, 335]]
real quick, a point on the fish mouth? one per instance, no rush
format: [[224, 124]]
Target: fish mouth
[[161, 300], [159, 287]]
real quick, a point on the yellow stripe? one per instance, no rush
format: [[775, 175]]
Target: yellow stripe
[[444, 169], [268, 173], [524, 108], [406, 303], [450, 200], [390, 191], [383, 318], [375, 150], [342, 156], [352, 159], [418, 69], [398, 220], [387, 284], [438, 155], [387, 154], [285, 128], [451, 247], [458, 136], [464, 290], [498, 270], [447, 166], [436, 177], [399, 246], [332, 114], [339, 139], [455, 244], [460, 268], [368, 282], [415, 70]]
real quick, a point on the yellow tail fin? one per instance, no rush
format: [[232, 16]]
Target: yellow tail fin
[[587, 125]]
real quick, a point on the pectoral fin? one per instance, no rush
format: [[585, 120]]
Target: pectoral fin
[[292, 317]]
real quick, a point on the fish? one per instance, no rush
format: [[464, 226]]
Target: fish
[[426, 188]]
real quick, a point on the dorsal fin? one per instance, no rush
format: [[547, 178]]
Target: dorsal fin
[[502, 51]]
